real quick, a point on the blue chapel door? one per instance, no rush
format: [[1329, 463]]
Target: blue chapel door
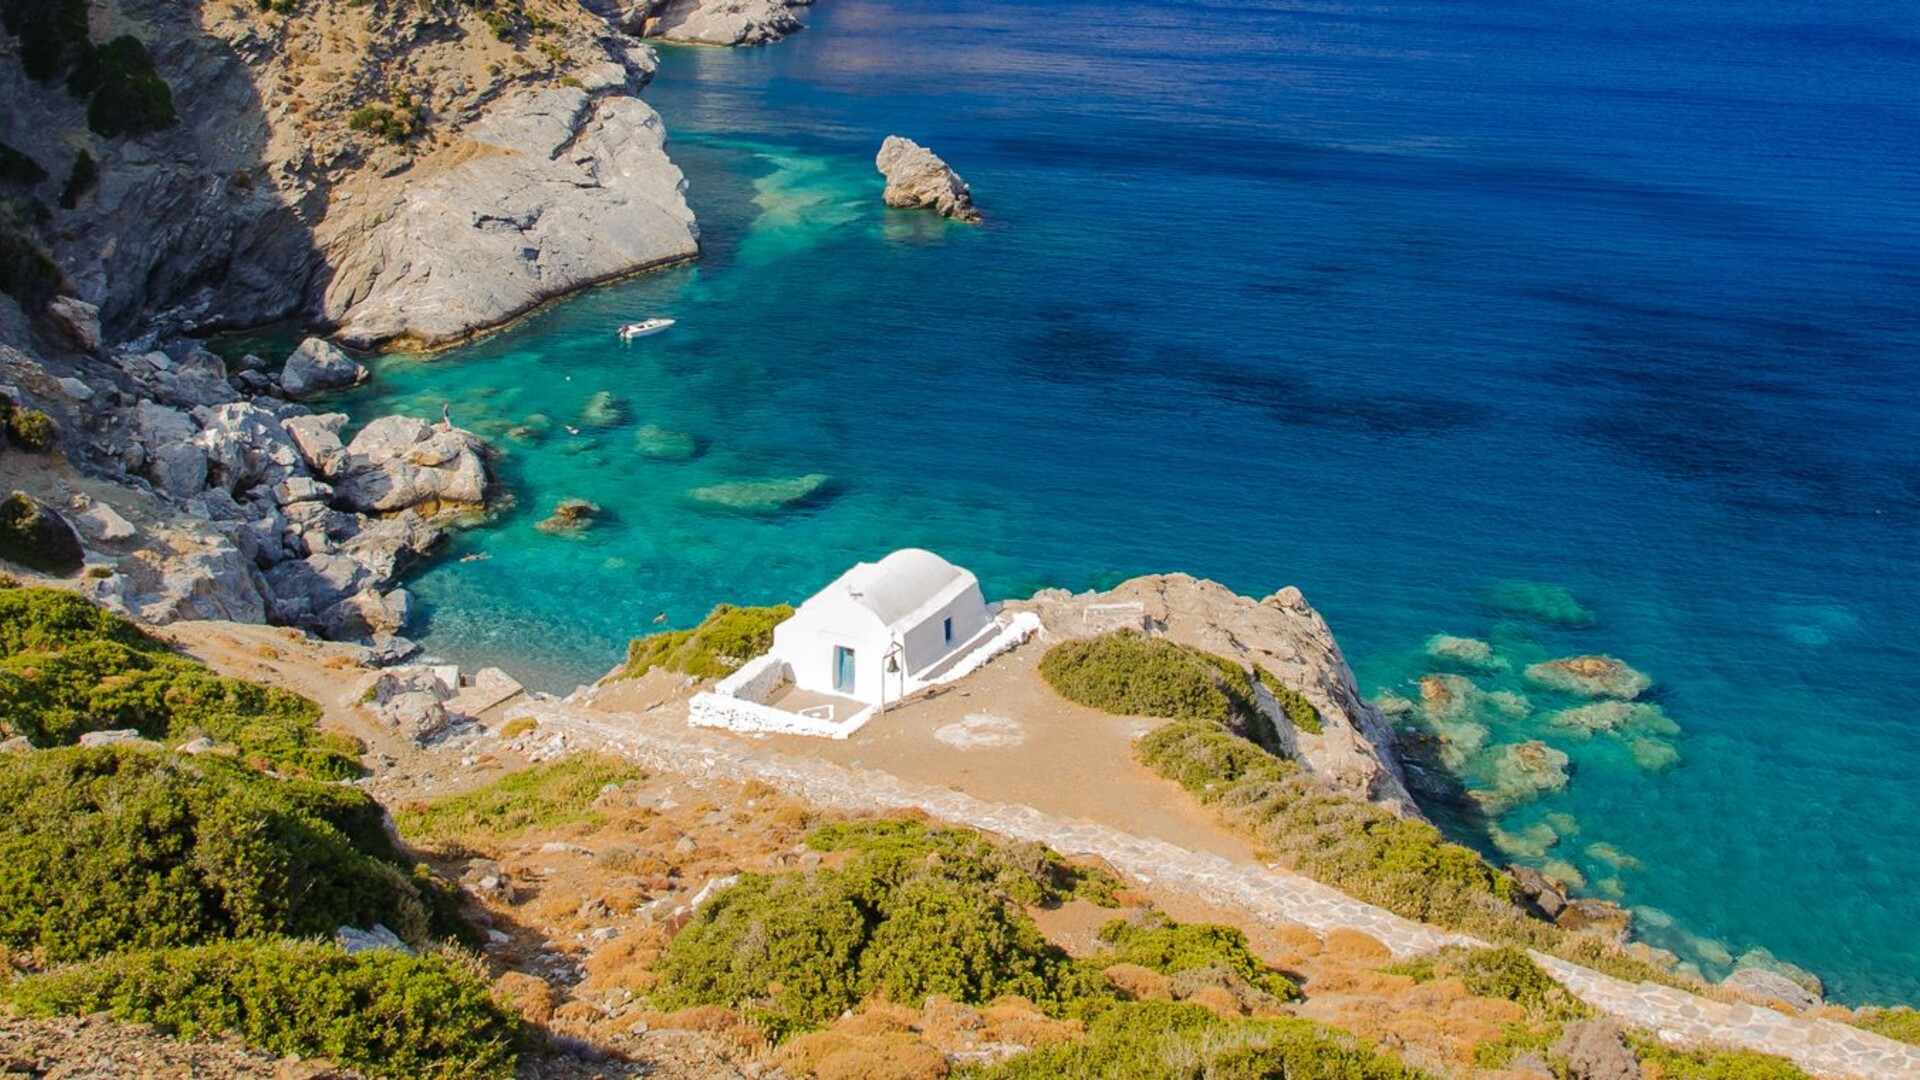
[[843, 669]]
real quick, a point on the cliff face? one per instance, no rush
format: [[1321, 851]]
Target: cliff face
[[1282, 634], [435, 164]]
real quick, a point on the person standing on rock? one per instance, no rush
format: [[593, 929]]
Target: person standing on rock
[[446, 416]]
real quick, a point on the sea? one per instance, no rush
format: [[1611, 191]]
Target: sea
[[1568, 328]]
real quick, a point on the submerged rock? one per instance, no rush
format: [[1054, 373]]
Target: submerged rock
[[661, 444], [571, 518], [761, 496], [1547, 603], [35, 537], [1523, 772], [1591, 676], [1653, 755], [1467, 652], [603, 410], [918, 179]]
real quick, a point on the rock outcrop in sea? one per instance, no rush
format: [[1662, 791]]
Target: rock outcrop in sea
[[1354, 751], [918, 179], [721, 22]]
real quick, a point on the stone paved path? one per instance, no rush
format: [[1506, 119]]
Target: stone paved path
[[1274, 895]]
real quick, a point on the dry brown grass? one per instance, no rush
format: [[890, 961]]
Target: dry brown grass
[[838, 1055], [1142, 983], [1354, 947]]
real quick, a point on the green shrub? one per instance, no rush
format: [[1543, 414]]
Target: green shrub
[[81, 179], [1402, 865], [1027, 873], [1170, 948], [541, 797], [129, 96], [34, 538], [117, 848], [26, 272], [1713, 1064], [52, 33], [1299, 711], [1155, 1040], [67, 667], [1502, 972], [31, 428], [912, 912], [726, 639], [1902, 1024], [1130, 674], [382, 1012], [18, 168], [397, 120]]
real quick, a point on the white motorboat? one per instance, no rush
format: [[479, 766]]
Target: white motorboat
[[643, 328]]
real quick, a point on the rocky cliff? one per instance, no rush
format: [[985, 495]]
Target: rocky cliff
[[401, 170], [1283, 634]]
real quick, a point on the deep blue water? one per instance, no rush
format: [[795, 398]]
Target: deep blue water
[[1395, 302]]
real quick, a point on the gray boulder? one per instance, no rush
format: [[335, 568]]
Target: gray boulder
[[33, 536], [722, 22], [197, 380], [398, 462], [566, 189], [77, 321], [318, 440], [1770, 985], [359, 941], [412, 699], [918, 179], [317, 367], [246, 447], [117, 737], [166, 439]]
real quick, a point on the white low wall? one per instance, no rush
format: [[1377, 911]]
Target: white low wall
[[1011, 635], [757, 679], [709, 709]]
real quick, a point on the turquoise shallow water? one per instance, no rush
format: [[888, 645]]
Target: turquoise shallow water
[[1396, 303]]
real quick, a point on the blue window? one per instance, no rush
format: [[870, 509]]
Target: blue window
[[949, 630], [843, 669]]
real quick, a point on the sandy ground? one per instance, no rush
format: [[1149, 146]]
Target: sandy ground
[[1003, 735]]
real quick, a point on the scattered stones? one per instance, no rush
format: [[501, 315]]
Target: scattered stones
[[196, 747], [1591, 676], [918, 179], [319, 366]]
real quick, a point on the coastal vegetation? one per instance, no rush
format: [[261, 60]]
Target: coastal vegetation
[[429, 1017], [29, 429], [396, 120], [197, 892], [115, 848], [727, 638], [540, 797], [68, 667], [1164, 1040], [910, 910], [1130, 674], [1403, 865], [1901, 1024]]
